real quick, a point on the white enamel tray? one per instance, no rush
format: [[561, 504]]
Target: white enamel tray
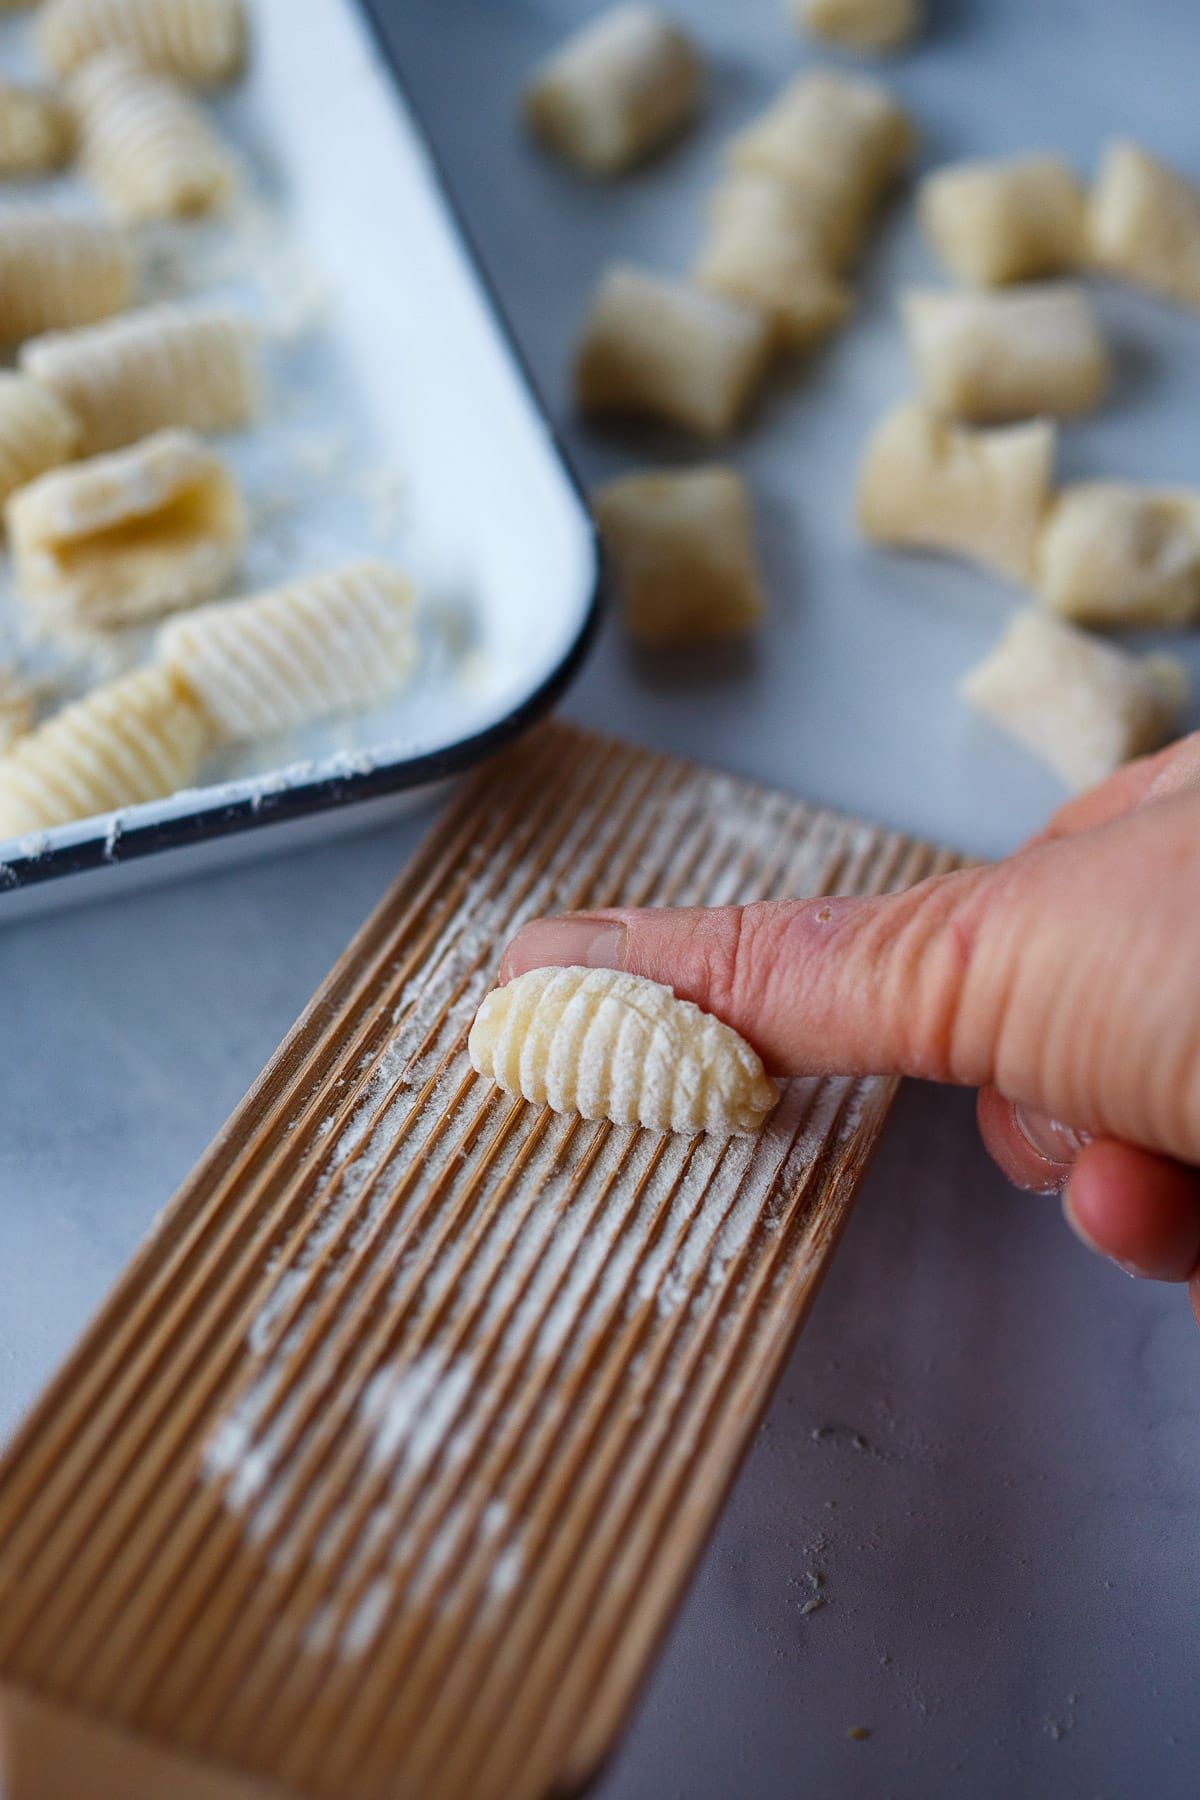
[[401, 423]]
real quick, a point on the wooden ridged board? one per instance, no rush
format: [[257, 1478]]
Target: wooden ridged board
[[383, 1469]]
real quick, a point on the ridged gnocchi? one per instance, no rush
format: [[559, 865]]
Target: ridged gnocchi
[[1114, 553], [613, 1046], [187, 366], [624, 85], [199, 41], [58, 269], [17, 709], [35, 131], [327, 644], [126, 537], [139, 738], [37, 431], [1012, 354], [1144, 223], [872, 26], [1082, 706], [670, 351], [928, 484], [145, 143], [774, 246], [996, 222], [682, 548]]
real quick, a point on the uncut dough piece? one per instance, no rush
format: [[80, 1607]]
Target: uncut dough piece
[[35, 131], [189, 366], [1082, 706], [333, 642], [37, 432], [17, 708], [872, 26], [770, 248], [928, 484], [199, 41], [614, 1046], [668, 350], [838, 134], [1144, 223], [682, 547], [1113, 553], [621, 88], [996, 222], [136, 739], [1013, 354], [59, 270], [128, 536], [145, 143]]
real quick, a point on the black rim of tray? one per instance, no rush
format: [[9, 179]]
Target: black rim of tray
[[305, 798]]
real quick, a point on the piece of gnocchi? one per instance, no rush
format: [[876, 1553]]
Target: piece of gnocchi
[[136, 739], [58, 270], [805, 215], [607, 1045], [622, 87], [874, 27], [199, 41], [193, 366], [670, 351], [996, 222], [1144, 223], [682, 548], [1012, 354], [17, 708], [769, 247], [1114, 553], [126, 537], [928, 484], [1082, 706], [145, 143], [333, 642], [37, 432], [35, 131], [841, 135]]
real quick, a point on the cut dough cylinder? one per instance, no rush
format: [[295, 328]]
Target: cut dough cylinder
[[140, 738], [58, 270], [872, 26], [1144, 223], [1113, 553], [193, 366], [995, 222], [614, 1046], [17, 709], [198, 41], [670, 351], [37, 432], [682, 548], [770, 246], [145, 143], [805, 215], [331, 643], [35, 131], [126, 537], [838, 134], [1008, 355], [1082, 706], [928, 484], [626, 84]]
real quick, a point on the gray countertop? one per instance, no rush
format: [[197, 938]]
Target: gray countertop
[[985, 1454]]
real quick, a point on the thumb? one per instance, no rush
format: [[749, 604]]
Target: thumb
[[1043, 975]]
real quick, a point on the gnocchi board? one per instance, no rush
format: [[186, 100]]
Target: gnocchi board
[[383, 1469]]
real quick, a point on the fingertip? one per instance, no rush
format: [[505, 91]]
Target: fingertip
[[576, 940], [1011, 1148], [1139, 1209]]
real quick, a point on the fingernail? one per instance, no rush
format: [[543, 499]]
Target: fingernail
[[1049, 1138], [577, 942]]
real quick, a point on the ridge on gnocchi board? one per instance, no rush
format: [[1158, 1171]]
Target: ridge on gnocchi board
[[385, 1466]]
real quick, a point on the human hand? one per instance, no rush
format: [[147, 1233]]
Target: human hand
[[1064, 983]]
